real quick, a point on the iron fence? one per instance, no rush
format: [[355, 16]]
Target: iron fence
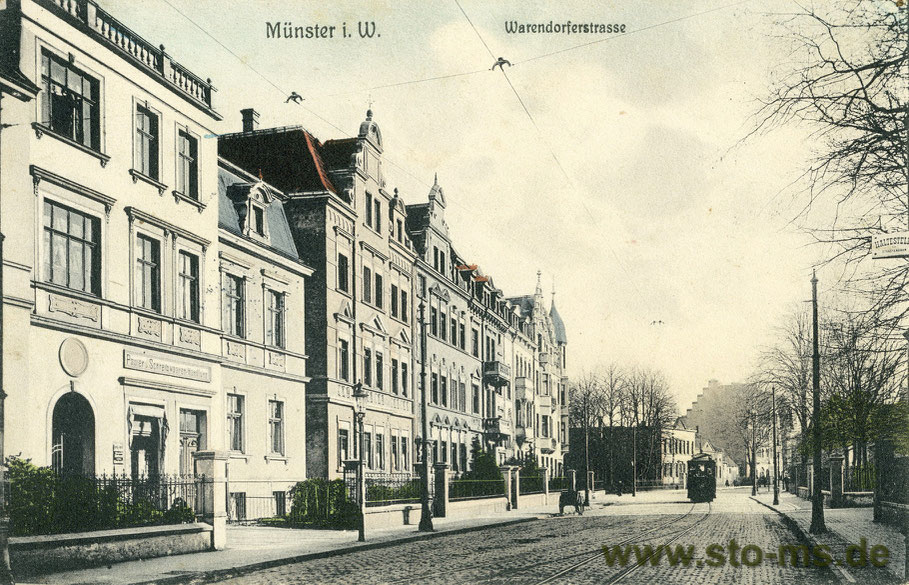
[[383, 489], [859, 479], [531, 484], [42, 501], [557, 484], [468, 489], [894, 481]]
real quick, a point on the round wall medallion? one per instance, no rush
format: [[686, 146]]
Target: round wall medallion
[[73, 357]]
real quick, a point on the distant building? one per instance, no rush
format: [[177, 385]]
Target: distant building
[[679, 445], [711, 414]]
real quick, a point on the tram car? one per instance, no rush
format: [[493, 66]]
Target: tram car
[[701, 478]]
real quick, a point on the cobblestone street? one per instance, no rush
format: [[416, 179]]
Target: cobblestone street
[[569, 550]]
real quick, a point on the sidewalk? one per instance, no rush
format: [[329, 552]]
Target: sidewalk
[[845, 526], [254, 547]]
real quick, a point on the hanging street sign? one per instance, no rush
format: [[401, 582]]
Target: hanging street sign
[[894, 245]]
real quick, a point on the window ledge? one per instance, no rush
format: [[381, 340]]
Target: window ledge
[[41, 130], [178, 197], [139, 175], [270, 458], [238, 455]]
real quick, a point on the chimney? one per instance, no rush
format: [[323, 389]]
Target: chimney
[[250, 119]]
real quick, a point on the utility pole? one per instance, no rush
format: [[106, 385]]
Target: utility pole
[[425, 512], [634, 460], [776, 487], [587, 447], [817, 501]]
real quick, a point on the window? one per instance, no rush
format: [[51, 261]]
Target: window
[[443, 449], [454, 331], [188, 287], [404, 306], [235, 422], [379, 290], [148, 273], [367, 284], [404, 378], [276, 426], [435, 389], [395, 462], [70, 101], [187, 164], [367, 367], [258, 220], [443, 326], [463, 457], [435, 257], [394, 300], [369, 209], [367, 449], [378, 215], [394, 375], [234, 306], [343, 273], [421, 280], [404, 453], [461, 336], [344, 360], [475, 343], [433, 321], [463, 396], [454, 456], [72, 252], [280, 503], [476, 399], [380, 371], [274, 319], [343, 446], [443, 392], [146, 142], [400, 231], [380, 450]]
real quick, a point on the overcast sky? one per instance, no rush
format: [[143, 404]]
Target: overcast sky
[[664, 215]]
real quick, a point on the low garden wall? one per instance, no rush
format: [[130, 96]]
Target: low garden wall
[[477, 507], [34, 555]]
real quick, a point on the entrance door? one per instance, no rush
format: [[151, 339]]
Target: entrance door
[[73, 429], [145, 450], [192, 438]]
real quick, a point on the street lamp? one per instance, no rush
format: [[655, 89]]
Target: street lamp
[[360, 396], [752, 419], [425, 512], [776, 487]]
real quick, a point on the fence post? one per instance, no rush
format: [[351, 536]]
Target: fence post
[[836, 480], [517, 487], [590, 484], [213, 465], [440, 502], [506, 473], [546, 485], [572, 480]]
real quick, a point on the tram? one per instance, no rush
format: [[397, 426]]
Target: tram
[[701, 478]]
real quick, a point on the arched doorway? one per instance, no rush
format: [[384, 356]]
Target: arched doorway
[[73, 435]]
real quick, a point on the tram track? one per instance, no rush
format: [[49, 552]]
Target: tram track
[[625, 571]]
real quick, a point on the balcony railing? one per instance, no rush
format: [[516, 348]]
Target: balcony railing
[[492, 425], [496, 373], [136, 49]]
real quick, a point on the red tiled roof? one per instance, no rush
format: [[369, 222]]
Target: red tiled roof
[[311, 144]]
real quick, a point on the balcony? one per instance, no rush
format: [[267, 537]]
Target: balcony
[[522, 389], [496, 373], [153, 60], [492, 426], [548, 446], [544, 359]]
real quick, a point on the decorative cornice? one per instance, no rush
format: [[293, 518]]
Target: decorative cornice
[[168, 228], [39, 174]]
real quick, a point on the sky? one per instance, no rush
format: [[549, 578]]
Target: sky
[[625, 172]]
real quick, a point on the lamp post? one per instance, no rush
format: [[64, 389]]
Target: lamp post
[[425, 512], [752, 419], [360, 395], [776, 487], [634, 460]]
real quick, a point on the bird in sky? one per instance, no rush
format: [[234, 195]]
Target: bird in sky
[[294, 97], [500, 62], [657, 323]]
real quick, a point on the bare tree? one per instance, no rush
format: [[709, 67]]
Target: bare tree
[[851, 89], [753, 418]]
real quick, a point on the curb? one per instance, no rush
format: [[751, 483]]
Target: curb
[[221, 574], [799, 532]]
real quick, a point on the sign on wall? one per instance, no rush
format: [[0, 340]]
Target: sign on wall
[[895, 245]]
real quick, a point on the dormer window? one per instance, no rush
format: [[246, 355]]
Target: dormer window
[[258, 223], [251, 201]]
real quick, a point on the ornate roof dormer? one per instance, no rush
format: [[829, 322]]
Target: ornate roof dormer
[[370, 131], [251, 201], [436, 194]]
